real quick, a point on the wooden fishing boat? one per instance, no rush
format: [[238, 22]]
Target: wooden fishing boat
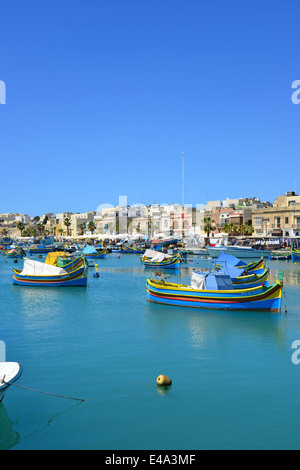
[[5, 243], [91, 253], [42, 275], [242, 278], [295, 254], [15, 254], [102, 252], [260, 298], [257, 267], [10, 372], [132, 249], [40, 249], [246, 281], [251, 280], [280, 256], [64, 260], [153, 259]]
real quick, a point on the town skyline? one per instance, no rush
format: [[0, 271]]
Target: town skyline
[[242, 216]]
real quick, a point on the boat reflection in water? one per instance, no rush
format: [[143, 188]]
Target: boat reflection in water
[[8, 436]]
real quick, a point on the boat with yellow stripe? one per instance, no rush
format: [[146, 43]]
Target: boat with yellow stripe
[[37, 274], [254, 267], [154, 259], [133, 248], [262, 298], [65, 261], [252, 280], [91, 253], [242, 278], [14, 254], [295, 254]]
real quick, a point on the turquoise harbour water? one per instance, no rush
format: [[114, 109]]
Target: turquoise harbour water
[[234, 383]]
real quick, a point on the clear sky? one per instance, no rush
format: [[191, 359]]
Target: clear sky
[[102, 98]]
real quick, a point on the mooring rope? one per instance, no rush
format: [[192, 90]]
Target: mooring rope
[[45, 393]]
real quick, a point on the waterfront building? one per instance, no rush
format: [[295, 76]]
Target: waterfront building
[[9, 223], [282, 219]]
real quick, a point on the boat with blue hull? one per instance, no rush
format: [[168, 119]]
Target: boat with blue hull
[[40, 249], [36, 274], [133, 248], [64, 260], [257, 267], [242, 280], [280, 256], [221, 297], [240, 274], [295, 254], [91, 253], [6, 243], [154, 259]]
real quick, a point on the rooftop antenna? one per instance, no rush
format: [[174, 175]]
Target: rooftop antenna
[[295, 184]]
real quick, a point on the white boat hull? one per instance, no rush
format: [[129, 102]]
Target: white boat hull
[[9, 372], [215, 252]]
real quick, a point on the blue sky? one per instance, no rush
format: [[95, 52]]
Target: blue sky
[[104, 96]]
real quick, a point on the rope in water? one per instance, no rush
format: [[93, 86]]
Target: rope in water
[[45, 393]]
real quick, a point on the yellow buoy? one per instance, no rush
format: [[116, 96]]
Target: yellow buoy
[[163, 381]]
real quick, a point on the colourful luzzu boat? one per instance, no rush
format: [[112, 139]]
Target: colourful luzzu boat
[[250, 281], [90, 253], [254, 267], [132, 249], [40, 249], [295, 255], [14, 254], [6, 243], [241, 278], [36, 274], [101, 252], [65, 261], [154, 259], [264, 299], [280, 256]]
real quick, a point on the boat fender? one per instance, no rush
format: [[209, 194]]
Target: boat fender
[[163, 381]]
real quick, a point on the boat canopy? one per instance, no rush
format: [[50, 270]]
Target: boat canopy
[[36, 268], [198, 281], [232, 271], [229, 259], [210, 281], [156, 256], [53, 257], [89, 250]]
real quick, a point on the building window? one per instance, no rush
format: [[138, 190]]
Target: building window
[[286, 221], [258, 221]]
